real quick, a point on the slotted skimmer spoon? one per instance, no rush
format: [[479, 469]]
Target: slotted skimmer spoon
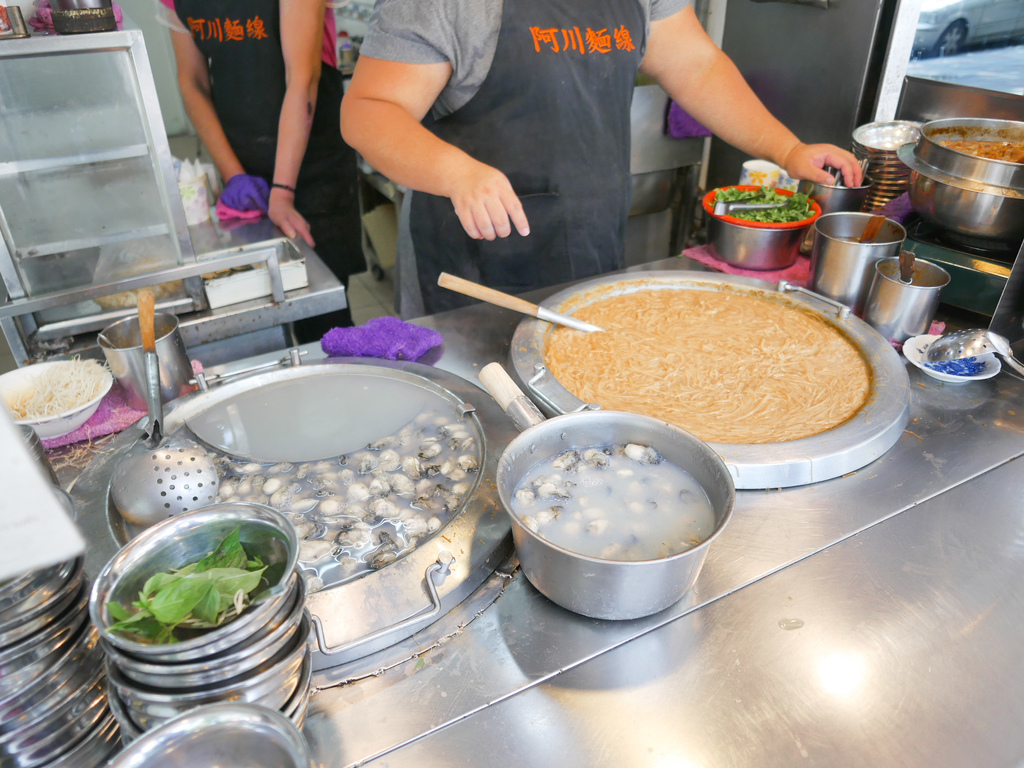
[[971, 343], [160, 477]]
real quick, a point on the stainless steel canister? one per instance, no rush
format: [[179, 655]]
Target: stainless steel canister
[[832, 200], [841, 267], [122, 344], [900, 310]]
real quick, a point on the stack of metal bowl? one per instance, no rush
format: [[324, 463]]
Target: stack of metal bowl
[[876, 143], [261, 657], [53, 710], [228, 735]]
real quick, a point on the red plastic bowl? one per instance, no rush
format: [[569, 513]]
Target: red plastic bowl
[[709, 207]]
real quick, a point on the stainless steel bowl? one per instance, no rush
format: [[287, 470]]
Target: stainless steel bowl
[[25, 592], [609, 589], [967, 197], [93, 749], [227, 735], [272, 685], [257, 650], [760, 248], [34, 655], [185, 539], [59, 600]]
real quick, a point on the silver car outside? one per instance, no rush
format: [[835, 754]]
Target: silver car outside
[[948, 27]]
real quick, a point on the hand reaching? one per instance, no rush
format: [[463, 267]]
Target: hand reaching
[[246, 193], [807, 161]]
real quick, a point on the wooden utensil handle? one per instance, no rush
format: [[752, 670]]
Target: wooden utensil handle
[[872, 229], [499, 384], [147, 320], [482, 292]]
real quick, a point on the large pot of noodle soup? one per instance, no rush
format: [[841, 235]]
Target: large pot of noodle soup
[[787, 389]]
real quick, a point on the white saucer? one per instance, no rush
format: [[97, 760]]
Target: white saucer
[[915, 349]]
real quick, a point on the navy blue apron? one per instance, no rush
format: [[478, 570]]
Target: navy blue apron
[[241, 40], [553, 116]]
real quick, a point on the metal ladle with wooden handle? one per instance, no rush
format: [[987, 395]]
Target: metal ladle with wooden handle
[[491, 296], [160, 477]]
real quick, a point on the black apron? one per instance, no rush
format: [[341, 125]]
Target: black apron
[[553, 116], [241, 40]]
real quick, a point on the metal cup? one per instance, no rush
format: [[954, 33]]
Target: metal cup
[[841, 267], [122, 345], [832, 200], [900, 310]]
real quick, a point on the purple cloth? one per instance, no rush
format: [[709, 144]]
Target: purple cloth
[[681, 124], [897, 209], [384, 337], [246, 193]]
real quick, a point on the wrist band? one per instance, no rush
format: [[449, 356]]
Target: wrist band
[[283, 186]]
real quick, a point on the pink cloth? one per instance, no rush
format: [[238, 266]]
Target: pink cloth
[[43, 20], [113, 415], [798, 274], [225, 213]]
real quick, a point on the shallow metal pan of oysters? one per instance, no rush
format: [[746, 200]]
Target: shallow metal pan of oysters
[[389, 480]]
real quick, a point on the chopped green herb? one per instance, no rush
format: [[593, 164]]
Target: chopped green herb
[[798, 207], [200, 595]]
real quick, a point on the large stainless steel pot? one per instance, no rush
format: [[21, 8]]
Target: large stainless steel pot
[[867, 435], [963, 195], [604, 589]]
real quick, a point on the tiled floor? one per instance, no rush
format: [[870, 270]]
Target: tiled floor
[[370, 298]]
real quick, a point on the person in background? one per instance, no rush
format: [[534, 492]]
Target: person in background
[[260, 83], [510, 121]]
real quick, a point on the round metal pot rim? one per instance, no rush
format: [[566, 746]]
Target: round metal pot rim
[[163, 535], [907, 153], [962, 165]]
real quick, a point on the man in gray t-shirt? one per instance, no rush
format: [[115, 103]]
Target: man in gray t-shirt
[[490, 109], [462, 33]]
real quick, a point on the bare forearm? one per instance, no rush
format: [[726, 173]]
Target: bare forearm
[[720, 98], [293, 132], [199, 106], [397, 145]]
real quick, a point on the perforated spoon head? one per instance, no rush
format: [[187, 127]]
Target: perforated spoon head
[[970, 342]]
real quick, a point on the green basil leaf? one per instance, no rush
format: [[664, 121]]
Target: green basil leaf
[[230, 580], [173, 604], [142, 627], [228, 554], [208, 608], [119, 612], [157, 582]]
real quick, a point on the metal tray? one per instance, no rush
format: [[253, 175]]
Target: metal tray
[[848, 447], [382, 607]]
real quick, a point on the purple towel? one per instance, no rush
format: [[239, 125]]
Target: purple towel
[[897, 209], [682, 125], [384, 337]]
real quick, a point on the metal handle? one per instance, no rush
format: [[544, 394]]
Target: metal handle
[[724, 208], [294, 358], [442, 565], [1014, 364], [787, 287]]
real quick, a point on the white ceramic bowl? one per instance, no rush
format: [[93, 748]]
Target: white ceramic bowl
[[20, 380], [915, 349]]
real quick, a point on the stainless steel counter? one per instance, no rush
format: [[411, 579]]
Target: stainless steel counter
[[868, 619]]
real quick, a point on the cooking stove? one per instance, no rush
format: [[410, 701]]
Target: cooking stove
[[978, 269]]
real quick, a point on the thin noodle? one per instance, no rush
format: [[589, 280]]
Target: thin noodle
[[728, 368], [58, 389]]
